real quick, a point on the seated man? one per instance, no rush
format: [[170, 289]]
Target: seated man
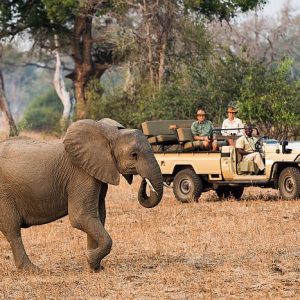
[[232, 126], [245, 145], [202, 130]]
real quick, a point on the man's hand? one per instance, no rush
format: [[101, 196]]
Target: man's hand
[[243, 152], [202, 138]]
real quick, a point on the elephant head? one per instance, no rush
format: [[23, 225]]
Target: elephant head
[[105, 149]]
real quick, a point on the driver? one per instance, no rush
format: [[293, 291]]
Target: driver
[[245, 145]]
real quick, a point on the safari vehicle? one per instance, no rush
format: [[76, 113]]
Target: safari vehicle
[[191, 171]]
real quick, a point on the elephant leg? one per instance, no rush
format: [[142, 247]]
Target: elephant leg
[[91, 243], [21, 259], [84, 215], [10, 226], [103, 242]]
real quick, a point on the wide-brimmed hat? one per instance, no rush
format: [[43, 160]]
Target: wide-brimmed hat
[[232, 109]]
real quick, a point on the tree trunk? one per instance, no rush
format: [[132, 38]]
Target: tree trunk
[[147, 16], [128, 82], [162, 54], [85, 68], [82, 55], [4, 107], [65, 97]]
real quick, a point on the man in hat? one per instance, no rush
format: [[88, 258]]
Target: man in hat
[[202, 131], [232, 126], [245, 145]]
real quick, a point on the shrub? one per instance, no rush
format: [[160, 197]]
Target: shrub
[[43, 113]]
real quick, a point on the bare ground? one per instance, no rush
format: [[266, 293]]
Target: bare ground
[[208, 250]]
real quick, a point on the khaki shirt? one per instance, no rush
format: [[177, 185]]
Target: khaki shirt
[[246, 143], [202, 129]]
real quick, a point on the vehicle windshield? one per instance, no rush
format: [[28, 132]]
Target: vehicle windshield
[[271, 141]]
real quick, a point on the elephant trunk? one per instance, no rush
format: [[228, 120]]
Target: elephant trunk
[[153, 177]]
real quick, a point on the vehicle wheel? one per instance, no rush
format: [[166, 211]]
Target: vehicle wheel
[[237, 192], [223, 191], [289, 183], [187, 186], [230, 191]]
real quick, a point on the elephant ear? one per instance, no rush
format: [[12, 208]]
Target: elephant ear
[[111, 122], [89, 146]]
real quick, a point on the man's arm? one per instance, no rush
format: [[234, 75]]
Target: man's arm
[[242, 151], [208, 131], [240, 146]]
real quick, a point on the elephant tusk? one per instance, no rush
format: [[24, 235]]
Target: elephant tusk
[[151, 186]]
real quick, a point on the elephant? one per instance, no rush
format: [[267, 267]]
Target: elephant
[[42, 181]]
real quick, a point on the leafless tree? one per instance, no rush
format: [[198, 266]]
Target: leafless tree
[[261, 38], [66, 98], [4, 106]]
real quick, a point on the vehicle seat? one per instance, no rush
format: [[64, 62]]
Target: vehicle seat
[[186, 139], [160, 133]]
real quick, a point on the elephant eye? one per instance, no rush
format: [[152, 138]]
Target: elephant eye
[[133, 155]]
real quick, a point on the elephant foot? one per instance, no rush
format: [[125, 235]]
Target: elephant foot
[[30, 268], [93, 270], [93, 259]]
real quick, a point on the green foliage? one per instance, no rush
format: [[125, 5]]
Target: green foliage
[[17, 16], [60, 10], [146, 103], [196, 73], [43, 113], [266, 96], [271, 99], [222, 9]]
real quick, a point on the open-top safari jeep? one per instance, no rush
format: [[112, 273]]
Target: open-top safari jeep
[[192, 171]]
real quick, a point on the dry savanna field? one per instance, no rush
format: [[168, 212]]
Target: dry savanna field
[[248, 249]]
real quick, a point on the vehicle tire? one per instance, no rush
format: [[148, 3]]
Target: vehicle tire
[[289, 183], [187, 186], [230, 191], [237, 192], [223, 191]]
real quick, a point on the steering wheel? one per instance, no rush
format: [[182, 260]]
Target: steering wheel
[[259, 143]]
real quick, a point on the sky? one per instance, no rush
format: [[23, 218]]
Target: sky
[[274, 6]]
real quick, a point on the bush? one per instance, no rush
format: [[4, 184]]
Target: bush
[[43, 113], [146, 103], [270, 99]]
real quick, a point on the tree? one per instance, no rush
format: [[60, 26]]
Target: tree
[[65, 97], [43, 113], [271, 100], [72, 22], [94, 50], [157, 29], [262, 38], [4, 107], [220, 9]]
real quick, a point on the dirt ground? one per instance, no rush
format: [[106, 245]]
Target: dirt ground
[[208, 250]]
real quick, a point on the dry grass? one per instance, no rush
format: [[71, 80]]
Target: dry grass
[[210, 249], [207, 250]]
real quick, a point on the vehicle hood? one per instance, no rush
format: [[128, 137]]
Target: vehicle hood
[[295, 146]]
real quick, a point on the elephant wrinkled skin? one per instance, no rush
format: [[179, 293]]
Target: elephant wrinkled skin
[[43, 181]]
